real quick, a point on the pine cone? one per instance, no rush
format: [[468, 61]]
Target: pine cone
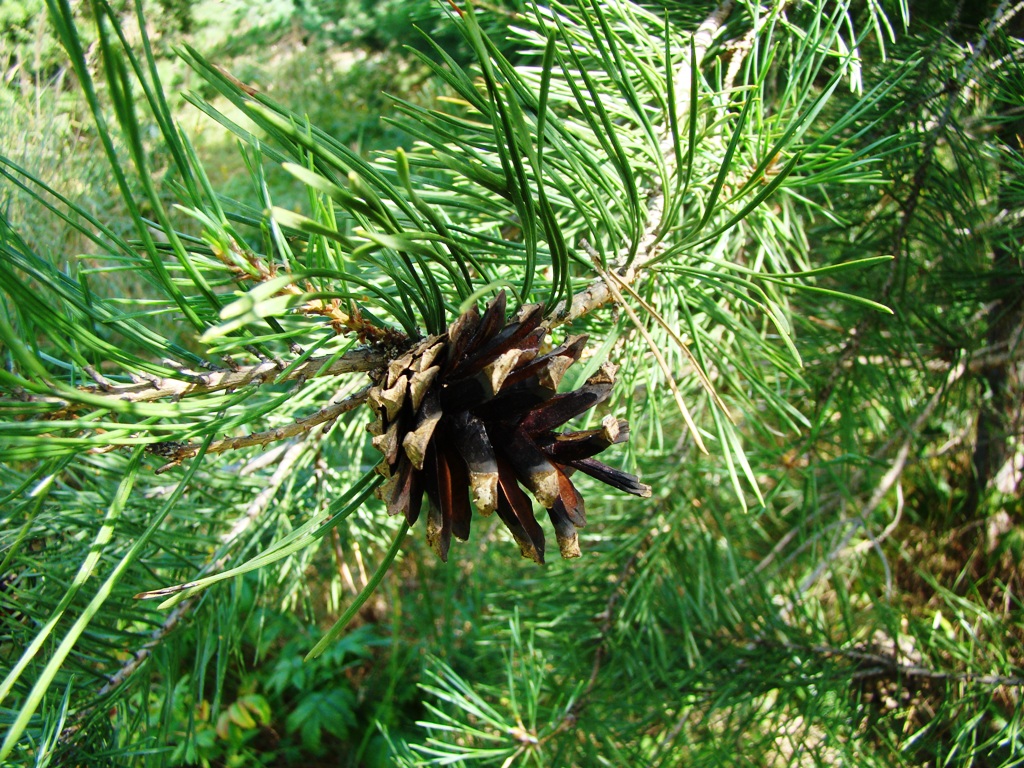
[[473, 413]]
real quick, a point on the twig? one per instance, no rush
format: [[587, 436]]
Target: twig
[[260, 271], [884, 663], [861, 520], [888, 479], [151, 388], [178, 452]]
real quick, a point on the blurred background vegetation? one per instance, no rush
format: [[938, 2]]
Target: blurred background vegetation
[[865, 611]]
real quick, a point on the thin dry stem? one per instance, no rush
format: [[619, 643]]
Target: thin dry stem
[[145, 389], [658, 356], [178, 452], [886, 664], [906, 437]]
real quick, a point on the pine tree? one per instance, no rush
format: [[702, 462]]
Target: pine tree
[[776, 246]]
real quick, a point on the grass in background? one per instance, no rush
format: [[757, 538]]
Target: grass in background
[[326, 71]]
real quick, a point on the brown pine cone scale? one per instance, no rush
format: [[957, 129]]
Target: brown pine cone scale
[[472, 414]]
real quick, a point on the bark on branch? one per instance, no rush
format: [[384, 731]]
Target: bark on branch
[[145, 389]]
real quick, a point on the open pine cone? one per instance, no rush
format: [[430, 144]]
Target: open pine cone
[[473, 412]]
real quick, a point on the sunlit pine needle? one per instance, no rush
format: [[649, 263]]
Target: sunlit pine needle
[[704, 380], [654, 349]]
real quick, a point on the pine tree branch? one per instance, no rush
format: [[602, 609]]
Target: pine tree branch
[[599, 292], [147, 388], [908, 207]]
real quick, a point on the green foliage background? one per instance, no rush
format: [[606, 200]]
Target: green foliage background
[[827, 207]]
